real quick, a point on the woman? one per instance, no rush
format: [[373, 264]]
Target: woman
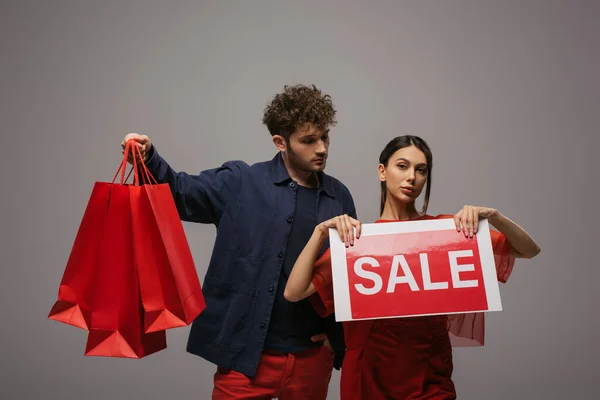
[[403, 358]]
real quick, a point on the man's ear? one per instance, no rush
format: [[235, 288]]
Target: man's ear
[[280, 142]]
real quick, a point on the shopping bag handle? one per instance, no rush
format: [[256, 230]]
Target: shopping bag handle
[[146, 176], [146, 173]]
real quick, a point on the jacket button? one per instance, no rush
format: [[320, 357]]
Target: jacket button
[[263, 324], [271, 288], [280, 254], [292, 184], [290, 219]]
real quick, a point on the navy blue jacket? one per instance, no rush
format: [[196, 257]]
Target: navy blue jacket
[[253, 208]]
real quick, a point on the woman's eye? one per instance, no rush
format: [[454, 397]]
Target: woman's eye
[[401, 166]]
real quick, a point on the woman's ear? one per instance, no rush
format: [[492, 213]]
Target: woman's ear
[[381, 172]]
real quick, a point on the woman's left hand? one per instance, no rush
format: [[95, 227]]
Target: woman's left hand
[[468, 218]]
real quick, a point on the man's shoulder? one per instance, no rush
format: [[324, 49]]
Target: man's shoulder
[[240, 164], [253, 169], [336, 186], [244, 168]]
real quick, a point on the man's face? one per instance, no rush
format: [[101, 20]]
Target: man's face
[[307, 149]]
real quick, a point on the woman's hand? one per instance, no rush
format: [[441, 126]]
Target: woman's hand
[[345, 226], [468, 218]]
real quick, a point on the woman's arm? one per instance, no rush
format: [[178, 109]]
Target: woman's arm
[[522, 245], [299, 285]]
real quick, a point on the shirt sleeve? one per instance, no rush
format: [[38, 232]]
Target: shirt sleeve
[[322, 299], [203, 197], [504, 261], [469, 329]]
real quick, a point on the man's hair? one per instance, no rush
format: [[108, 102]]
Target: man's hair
[[296, 107]]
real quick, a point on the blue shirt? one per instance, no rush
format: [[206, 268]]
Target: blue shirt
[[253, 208], [293, 324]]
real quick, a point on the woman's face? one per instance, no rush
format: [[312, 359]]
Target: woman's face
[[405, 174]]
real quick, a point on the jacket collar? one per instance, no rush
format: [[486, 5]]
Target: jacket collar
[[279, 175]]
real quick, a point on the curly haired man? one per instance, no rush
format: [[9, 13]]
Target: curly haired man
[[265, 213]]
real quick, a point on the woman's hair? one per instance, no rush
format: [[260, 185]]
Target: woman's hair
[[297, 106], [393, 146]]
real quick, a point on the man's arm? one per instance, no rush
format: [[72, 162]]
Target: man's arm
[[199, 198]]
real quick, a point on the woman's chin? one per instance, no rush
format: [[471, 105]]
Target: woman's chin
[[403, 198]]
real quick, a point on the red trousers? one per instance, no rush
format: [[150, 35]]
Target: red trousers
[[300, 376]]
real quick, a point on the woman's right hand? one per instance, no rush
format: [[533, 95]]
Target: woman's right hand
[[345, 226]]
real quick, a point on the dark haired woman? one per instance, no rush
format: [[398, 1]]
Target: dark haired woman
[[403, 358]]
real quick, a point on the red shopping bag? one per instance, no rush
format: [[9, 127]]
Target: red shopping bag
[[99, 290], [74, 294], [170, 288], [117, 326]]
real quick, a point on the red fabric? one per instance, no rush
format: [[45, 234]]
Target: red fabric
[[322, 300], [404, 358], [409, 358], [285, 376]]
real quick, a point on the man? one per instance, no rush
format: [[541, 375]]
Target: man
[[263, 345]]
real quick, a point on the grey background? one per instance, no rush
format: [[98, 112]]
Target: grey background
[[505, 92]]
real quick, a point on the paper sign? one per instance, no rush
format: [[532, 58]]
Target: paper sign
[[413, 268]]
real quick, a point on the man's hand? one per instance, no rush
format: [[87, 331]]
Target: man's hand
[[143, 143], [322, 337]]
